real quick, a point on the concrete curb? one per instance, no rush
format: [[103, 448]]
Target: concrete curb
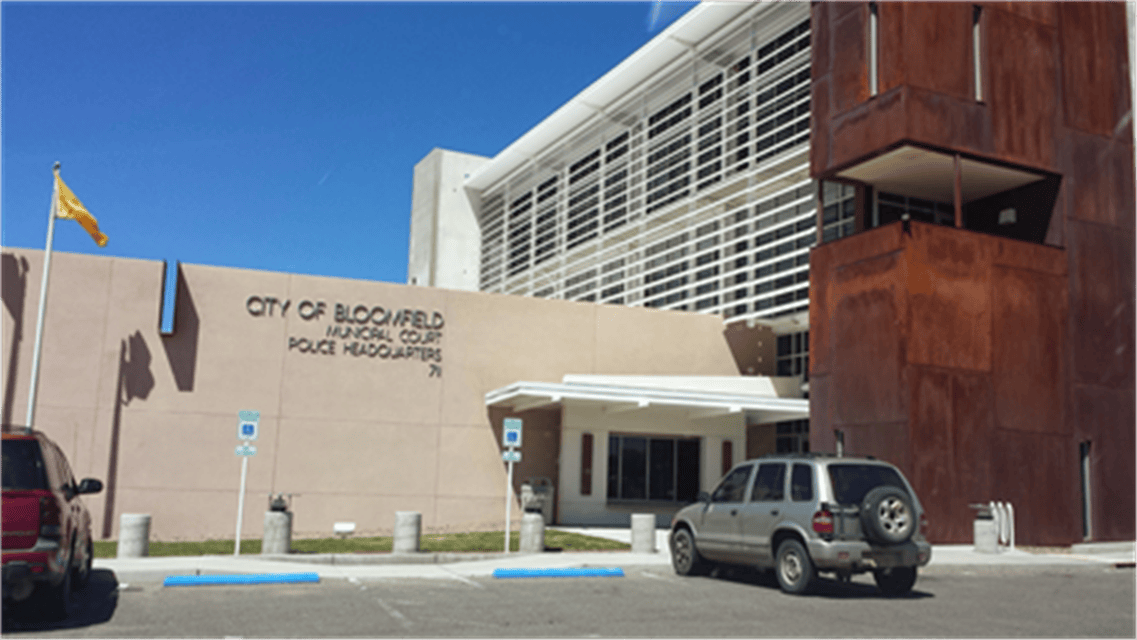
[[384, 558], [1090, 548]]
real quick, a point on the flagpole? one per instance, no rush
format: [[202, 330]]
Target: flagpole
[[42, 301]]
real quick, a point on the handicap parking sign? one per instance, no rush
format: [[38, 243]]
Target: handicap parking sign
[[511, 432], [247, 424]]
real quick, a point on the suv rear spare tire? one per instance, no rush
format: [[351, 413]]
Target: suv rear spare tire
[[887, 515]]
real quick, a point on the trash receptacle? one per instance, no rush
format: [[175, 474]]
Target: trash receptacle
[[985, 529], [537, 497]]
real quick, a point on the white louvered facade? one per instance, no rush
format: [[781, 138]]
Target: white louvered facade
[[679, 180]]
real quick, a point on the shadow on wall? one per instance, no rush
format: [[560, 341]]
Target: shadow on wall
[[181, 342], [13, 289], [134, 381]]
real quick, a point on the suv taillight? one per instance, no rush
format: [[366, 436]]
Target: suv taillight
[[49, 520], [923, 522], [823, 521]]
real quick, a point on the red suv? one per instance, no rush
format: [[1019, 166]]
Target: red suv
[[47, 548]]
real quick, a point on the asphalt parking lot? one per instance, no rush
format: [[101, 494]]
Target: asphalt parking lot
[[1046, 601]]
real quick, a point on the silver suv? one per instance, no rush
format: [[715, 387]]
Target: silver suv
[[801, 514]]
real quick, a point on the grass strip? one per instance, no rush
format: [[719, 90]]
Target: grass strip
[[477, 541]]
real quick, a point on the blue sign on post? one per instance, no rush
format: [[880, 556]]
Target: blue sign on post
[[248, 423], [511, 432]]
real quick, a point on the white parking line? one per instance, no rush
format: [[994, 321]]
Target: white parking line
[[461, 578], [394, 613]]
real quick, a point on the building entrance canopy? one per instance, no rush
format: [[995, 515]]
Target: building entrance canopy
[[761, 399]]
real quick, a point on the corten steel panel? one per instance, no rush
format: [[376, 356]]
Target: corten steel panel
[[820, 16], [1101, 305], [973, 425], [1046, 259], [1100, 173], [941, 121], [819, 314], [1038, 475], [888, 441], [1043, 12], [870, 127], [850, 68], [1093, 41], [926, 45], [819, 125], [868, 342], [849, 250], [931, 435], [1105, 417], [820, 413], [1023, 88], [1029, 310], [948, 287]]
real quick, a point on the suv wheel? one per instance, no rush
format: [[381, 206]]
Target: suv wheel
[[896, 581], [684, 556], [887, 515], [794, 567], [53, 601]]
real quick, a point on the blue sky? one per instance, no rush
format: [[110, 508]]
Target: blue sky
[[276, 136]]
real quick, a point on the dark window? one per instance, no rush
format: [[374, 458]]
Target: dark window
[[727, 456], [23, 467], [633, 468], [662, 471], [801, 482], [733, 487], [769, 483], [852, 481], [643, 468]]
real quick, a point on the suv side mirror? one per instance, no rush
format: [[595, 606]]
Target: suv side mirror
[[703, 496], [90, 485]]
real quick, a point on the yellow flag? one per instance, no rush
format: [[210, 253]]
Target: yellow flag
[[70, 208]]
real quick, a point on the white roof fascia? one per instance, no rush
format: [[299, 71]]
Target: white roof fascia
[[536, 394], [762, 386], [671, 43]]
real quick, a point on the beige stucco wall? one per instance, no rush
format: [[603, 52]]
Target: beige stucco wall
[[356, 437]]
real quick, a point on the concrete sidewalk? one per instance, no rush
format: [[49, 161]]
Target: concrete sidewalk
[[462, 567]]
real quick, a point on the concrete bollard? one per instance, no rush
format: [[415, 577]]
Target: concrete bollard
[[643, 533], [408, 528], [986, 533], [532, 533], [278, 532], [134, 535]]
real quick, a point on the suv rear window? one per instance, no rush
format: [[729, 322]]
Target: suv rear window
[[22, 466], [852, 481]]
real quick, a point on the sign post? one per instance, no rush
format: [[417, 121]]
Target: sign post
[[248, 426], [510, 438]]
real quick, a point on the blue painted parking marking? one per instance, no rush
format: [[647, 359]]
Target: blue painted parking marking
[[247, 578], [570, 572]]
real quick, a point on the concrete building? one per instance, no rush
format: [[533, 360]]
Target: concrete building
[[373, 397], [754, 160]]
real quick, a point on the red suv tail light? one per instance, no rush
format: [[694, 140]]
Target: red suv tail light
[[823, 521], [49, 518]]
